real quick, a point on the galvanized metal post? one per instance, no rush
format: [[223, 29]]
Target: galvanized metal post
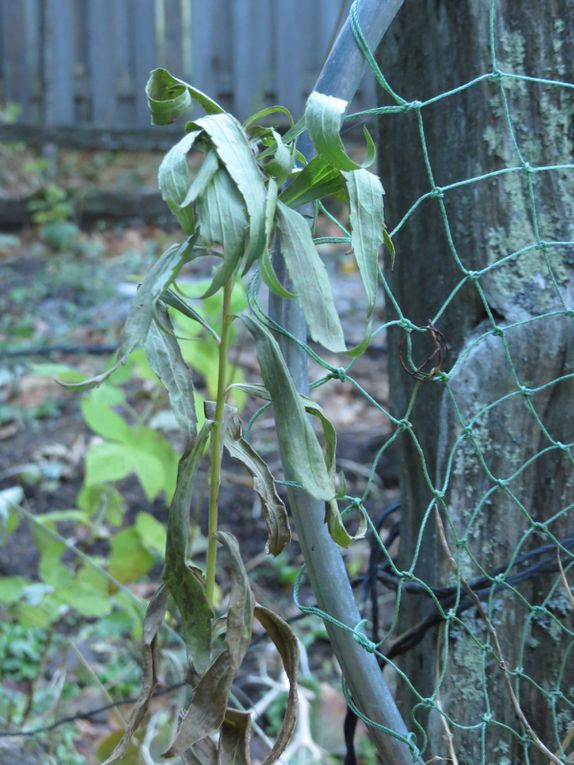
[[325, 567]]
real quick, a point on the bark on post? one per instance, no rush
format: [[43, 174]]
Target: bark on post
[[434, 46]]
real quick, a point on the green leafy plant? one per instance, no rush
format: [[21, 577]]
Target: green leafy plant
[[244, 197]]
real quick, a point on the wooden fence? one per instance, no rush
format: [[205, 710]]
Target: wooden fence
[[77, 68]]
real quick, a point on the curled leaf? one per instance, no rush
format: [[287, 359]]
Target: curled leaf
[[274, 511], [232, 146], [316, 180], [234, 738], [286, 643], [151, 626], [239, 621], [175, 180], [169, 98], [300, 449], [323, 119]]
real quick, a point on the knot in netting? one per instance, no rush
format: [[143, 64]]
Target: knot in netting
[[437, 192], [524, 391], [538, 526], [412, 106], [355, 502], [404, 425], [360, 637], [487, 717], [338, 373]]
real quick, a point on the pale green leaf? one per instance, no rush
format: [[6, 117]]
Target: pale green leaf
[[323, 120], [164, 356], [230, 142], [367, 220], [173, 300], [301, 453], [129, 559], [168, 97], [11, 588], [175, 179], [265, 263], [152, 532], [113, 462], [101, 418], [222, 219], [310, 280], [316, 180]]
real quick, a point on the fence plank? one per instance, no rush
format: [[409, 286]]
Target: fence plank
[[202, 55], [251, 46], [101, 59], [14, 64], [144, 54], [58, 63], [173, 37], [289, 72]]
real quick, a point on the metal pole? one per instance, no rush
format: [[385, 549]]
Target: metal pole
[[325, 567]]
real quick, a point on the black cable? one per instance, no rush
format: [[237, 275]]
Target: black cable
[[48, 350]]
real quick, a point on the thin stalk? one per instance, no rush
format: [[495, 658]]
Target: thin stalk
[[215, 472]]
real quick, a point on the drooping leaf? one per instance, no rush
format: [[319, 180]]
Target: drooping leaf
[[151, 531], [265, 264], [208, 170], [286, 643], [169, 98], [316, 180], [173, 300], [137, 325], [11, 588], [239, 621], [206, 712], [367, 227], [234, 151], [175, 180], [310, 279], [152, 623], [274, 511], [164, 356], [184, 583], [300, 449], [222, 219], [323, 120], [280, 162], [235, 738]]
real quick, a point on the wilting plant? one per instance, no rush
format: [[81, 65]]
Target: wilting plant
[[245, 197]]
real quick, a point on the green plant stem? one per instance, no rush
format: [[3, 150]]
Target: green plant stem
[[215, 472]]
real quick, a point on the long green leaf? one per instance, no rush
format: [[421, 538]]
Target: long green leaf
[[175, 180], [164, 356], [185, 584], [310, 279], [168, 97], [265, 264], [230, 142], [316, 180], [222, 219], [367, 227], [173, 300], [137, 325], [302, 455], [323, 119]]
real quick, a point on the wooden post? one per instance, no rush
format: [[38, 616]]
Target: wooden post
[[502, 415]]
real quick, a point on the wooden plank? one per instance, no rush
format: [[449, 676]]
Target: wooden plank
[[14, 64], [121, 33], [101, 59], [289, 72], [144, 54], [242, 58], [203, 63], [173, 37], [58, 60]]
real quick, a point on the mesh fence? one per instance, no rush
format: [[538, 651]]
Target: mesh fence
[[495, 613]]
